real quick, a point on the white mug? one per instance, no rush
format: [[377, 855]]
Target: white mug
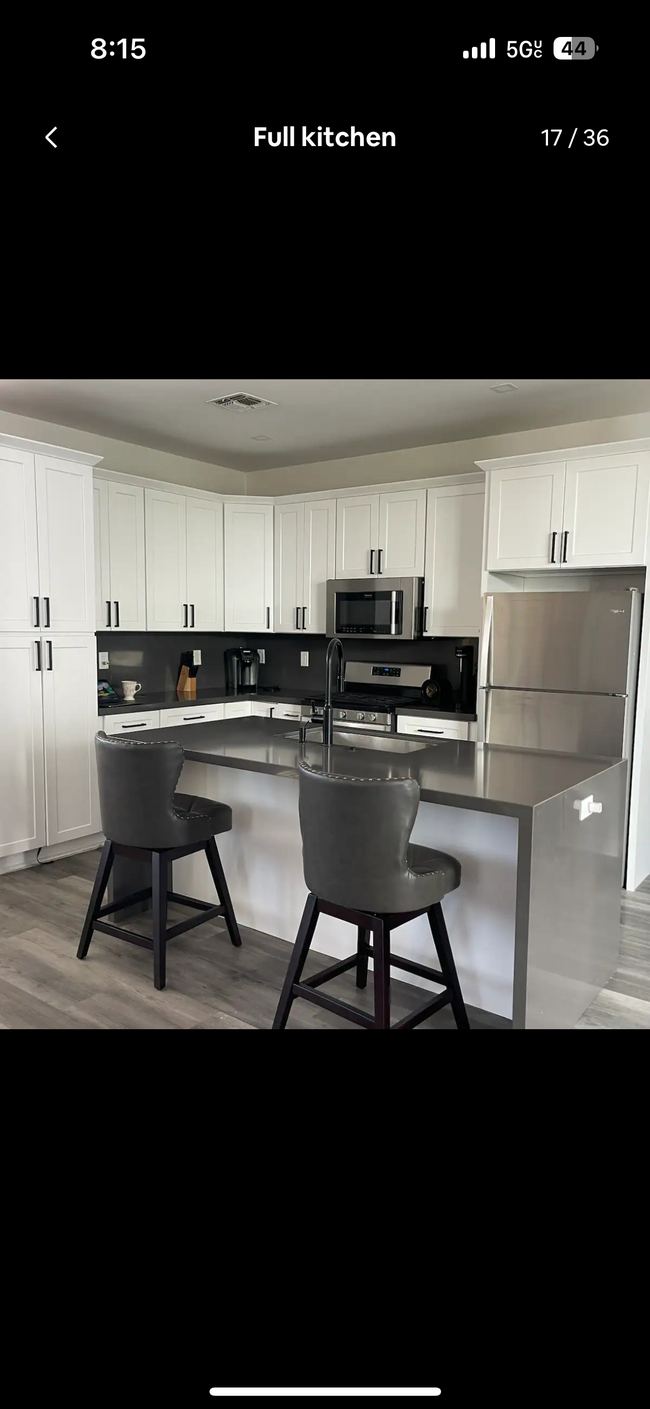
[[130, 688]]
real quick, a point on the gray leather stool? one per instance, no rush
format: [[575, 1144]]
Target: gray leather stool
[[360, 866], [143, 817]]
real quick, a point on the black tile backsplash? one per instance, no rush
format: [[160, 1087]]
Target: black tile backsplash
[[153, 658]]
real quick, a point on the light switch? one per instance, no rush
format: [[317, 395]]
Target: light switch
[[304, 657], [196, 657], [103, 660]]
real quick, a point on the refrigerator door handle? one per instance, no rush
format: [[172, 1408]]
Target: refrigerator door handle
[[485, 648]]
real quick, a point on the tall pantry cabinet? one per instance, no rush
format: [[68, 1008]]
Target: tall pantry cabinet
[[48, 699]]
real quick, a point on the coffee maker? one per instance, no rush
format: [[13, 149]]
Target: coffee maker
[[242, 669]]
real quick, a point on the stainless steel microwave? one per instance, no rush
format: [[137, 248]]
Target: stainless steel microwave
[[380, 608]]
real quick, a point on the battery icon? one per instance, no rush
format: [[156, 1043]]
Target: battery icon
[[570, 47]]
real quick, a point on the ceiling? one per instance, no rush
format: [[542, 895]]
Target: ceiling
[[315, 419]]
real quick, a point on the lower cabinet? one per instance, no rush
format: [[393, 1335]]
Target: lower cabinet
[[130, 723], [48, 720], [432, 728], [191, 714], [286, 711], [241, 709]]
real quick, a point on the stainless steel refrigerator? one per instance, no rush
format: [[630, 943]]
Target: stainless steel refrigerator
[[558, 671]]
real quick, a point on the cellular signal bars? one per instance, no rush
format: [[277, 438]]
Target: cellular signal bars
[[484, 50]]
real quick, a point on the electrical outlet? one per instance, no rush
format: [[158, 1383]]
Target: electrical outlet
[[304, 657], [262, 655], [196, 657], [103, 660]]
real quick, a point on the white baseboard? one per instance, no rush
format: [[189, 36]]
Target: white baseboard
[[22, 860]]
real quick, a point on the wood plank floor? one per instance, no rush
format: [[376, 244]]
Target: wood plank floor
[[210, 984]]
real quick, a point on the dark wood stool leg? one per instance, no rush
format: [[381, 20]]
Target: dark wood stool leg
[[381, 961], [159, 871], [447, 965], [297, 961], [363, 939], [101, 881], [220, 885]]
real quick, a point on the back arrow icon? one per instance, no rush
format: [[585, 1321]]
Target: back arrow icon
[[48, 137]]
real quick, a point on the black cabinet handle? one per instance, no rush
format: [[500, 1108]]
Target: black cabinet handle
[[49, 655], [268, 618], [565, 537], [426, 618], [372, 562], [108, 613], [553, 543], [184, 613], [379, 558], [46, 603], [134, 726], [297, 618], [39, 665], [192, 718], [304, 618], [117, 613], [192, 607], [37, 609]]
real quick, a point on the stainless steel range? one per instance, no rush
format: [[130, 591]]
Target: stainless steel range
[[371, 693]]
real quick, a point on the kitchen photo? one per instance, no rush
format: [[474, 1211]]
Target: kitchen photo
[[325, 704]]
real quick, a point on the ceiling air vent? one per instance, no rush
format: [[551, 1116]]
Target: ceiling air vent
[[240, 401]]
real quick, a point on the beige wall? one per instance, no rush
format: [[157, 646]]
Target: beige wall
[[455, 457], [129, 459]]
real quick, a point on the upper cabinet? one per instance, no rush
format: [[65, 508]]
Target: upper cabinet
[[119, 557], [47, 568], [184, 562], [204, 527], [453, 605], [381, 534], [305, 550], [248, 561], [525, 522], [574, 513]]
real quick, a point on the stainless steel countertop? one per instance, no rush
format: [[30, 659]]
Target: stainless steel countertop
[[476, 776]]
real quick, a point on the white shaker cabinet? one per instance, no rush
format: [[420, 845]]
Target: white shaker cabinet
[[357, 535], [64, 503], [525, 517], [22, 794], [248, 563], [606, 511], [69, 674], [120, 595], [305, 558], [452, 601], [166, 547], [204, 592], [19, 580], [402, 518]]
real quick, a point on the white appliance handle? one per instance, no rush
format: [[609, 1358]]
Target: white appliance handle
[[484, 662]]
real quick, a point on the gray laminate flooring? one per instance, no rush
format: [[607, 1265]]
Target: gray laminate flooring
[[210, 984]]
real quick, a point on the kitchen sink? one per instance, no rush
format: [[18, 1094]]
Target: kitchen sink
[[387, 743]]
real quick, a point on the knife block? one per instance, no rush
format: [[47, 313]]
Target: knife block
[[186, 685]]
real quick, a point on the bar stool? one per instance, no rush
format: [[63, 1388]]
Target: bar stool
[[360, 866], [144, 818]]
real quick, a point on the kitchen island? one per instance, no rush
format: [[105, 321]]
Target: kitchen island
[[534, 924]]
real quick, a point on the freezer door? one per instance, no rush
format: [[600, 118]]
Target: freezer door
[[562, 641], [531, 719]]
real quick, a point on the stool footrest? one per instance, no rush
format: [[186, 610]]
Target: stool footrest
[[325, 975], [126, 900], [208, 913], [425, 1011], [334, 1005], [129, 935]]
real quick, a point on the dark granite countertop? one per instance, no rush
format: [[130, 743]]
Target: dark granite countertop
[[476, 776], [168, 699]]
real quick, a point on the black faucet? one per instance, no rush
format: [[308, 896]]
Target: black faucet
[[334, 649]]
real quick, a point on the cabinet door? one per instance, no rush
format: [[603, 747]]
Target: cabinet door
[[319, 562], [288, 566], [205, 563], [402, 518], [70, 723], [66, 548], [606, 511], [248, 552], [103, 604], [19, 583], [126, 545], [167, 600], [22, 795], [130, 724], [525, 510], [357, 535], [453, 605]]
